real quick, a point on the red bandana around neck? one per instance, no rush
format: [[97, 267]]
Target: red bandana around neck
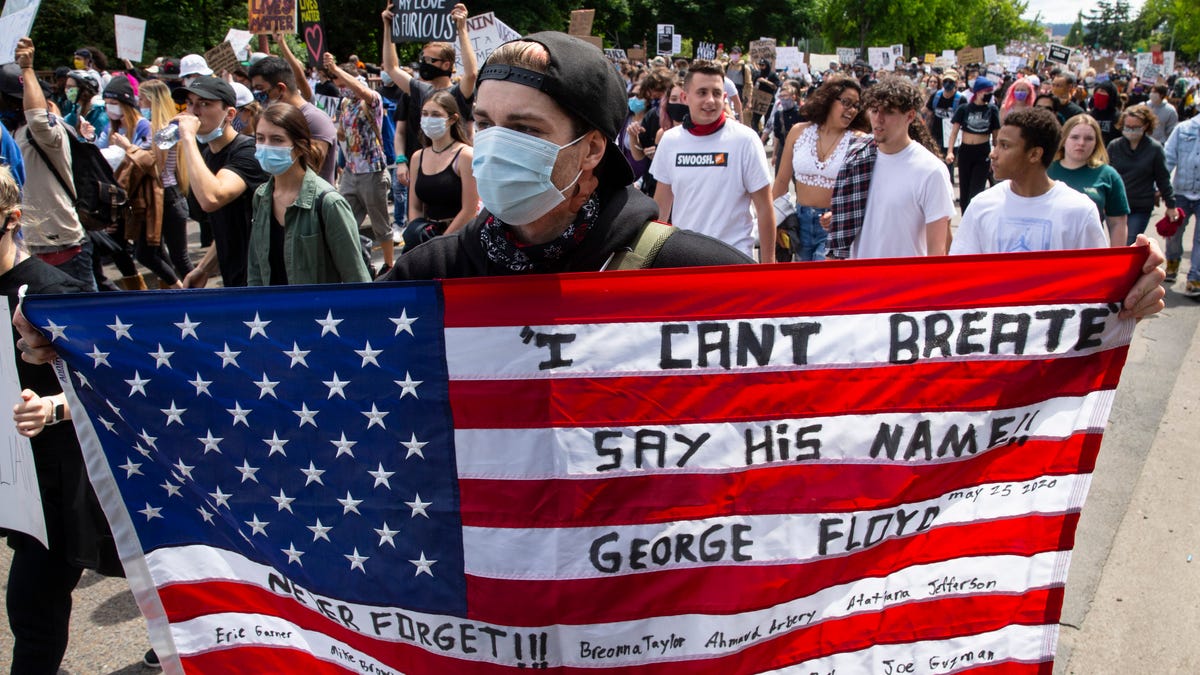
[[705, 129]]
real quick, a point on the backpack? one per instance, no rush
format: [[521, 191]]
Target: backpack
[[645, 247], [95, 193], [364, 248]]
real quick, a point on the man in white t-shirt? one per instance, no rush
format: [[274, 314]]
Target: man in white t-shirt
[[711, 169], [910, 200], [1028, 211]]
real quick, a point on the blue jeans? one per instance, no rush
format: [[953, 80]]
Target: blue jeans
[[1137, 225], [1175, 244], [80, 266], [812, 235], [399, 204]]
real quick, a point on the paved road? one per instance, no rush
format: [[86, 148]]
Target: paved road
[[1133, 592]]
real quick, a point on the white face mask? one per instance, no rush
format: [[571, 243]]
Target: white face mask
[[434, 127], [113, 110], [513, 174]]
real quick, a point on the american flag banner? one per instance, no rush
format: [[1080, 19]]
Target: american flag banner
[[862, 467]]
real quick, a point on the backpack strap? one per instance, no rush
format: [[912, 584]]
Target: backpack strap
[[68, 188], [645, 247]]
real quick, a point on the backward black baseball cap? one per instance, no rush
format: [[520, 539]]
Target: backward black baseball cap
[[583, 81], [209, 87]]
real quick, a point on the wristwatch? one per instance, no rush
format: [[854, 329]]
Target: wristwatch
[[57, 412]]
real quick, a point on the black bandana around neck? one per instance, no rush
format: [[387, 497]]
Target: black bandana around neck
[[502, 247]]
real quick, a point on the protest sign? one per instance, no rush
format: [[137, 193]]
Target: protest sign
[[897, 52], [706, 50], [930, 57], [20, 498], [596, 41], [487, 33], [240, 41], [879, 58], [616, 54], [762, 101], [762, 48], [752, 479], [969, 55], [665, 39], [1103, 65], [788, 58], [422, 21], [819, 63], [131, 35], [636, 54], [311, 29], [222, 58], [676, 44], [989, 54], [271, 16], [14, 26], [12, 6], [1059, 54], [581, 22], [950, 56], [847, 54]]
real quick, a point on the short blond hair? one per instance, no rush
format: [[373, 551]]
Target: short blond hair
[[10, 192]]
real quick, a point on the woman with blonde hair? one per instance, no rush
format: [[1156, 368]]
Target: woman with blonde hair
[[1082, 163], [154, 97]]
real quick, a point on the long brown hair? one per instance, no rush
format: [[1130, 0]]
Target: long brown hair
[[458, 131], [816, 108], [289, 118]]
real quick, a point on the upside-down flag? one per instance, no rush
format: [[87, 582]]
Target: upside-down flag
[[794, 469]]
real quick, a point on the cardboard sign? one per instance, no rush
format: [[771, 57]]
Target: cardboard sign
[[222, 58], [311, 30], [762, 48], [131, 34], [1104, 65], [706, 50], [636, 54], [594, 40], [989, 54], [616, 54], [763, 101], [487, 33], [666, 39], [581, 22], [819, 63], [1059, 54], [930, 57], [271, 16], [969, 55], [422, 21]]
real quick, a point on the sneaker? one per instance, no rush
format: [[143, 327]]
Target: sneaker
[[150, 660], [1172, 271], [1192, 290]]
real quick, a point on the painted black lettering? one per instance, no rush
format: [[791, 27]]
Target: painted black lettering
[[903, 347], [967, 331], [665, 360], [1058, 319]]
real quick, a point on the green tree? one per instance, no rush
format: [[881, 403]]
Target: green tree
[[932, 25], [1075, 35]]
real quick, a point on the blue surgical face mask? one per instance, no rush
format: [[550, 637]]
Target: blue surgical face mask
[[145, 112], [212, 135], [274, 159], [261, 97], [434, 127], [512, 172], [636, 105]]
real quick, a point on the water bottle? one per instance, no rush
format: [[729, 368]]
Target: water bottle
[[167, 137]]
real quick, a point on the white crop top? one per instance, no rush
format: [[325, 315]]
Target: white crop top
[[809, 170]]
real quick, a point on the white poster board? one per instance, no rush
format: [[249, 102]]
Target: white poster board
[[240, 41], [950, 55], [20, 500], [14, 26], [788, 58], [846, 54], [880, 58], [819, 63], [131, 36], [487, 33], [676, 44], [12, 6], [989, 54]]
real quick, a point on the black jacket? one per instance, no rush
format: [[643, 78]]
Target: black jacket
[[75, 524], [622, 215]]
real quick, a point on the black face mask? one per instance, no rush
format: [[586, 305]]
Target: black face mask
[[986, 99], [949, 87], [430, 72], [677, 111]]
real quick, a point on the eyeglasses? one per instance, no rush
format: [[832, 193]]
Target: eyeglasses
[[429, 61], [850, 104]]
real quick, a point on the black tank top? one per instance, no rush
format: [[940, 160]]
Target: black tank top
[[441, 193]]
